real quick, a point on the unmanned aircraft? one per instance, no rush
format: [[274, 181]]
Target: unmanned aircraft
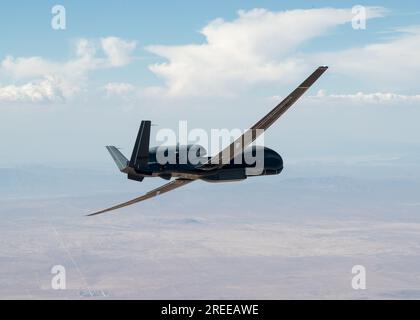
[[219, 168]]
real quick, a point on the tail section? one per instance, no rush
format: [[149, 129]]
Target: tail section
[[120, 160], [140, 155]]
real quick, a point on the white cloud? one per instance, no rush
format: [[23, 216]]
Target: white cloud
[[256, 47], [27, 67], [119, 88], [64, 79], [52, 80]]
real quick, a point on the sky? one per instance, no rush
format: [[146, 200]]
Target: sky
[[64, 94], [348, 194]]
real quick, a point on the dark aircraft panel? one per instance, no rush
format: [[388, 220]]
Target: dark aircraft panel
[[227, 175], [220, 168]]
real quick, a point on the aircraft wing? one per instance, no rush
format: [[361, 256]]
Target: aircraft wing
[[237, 147], [163, 189]]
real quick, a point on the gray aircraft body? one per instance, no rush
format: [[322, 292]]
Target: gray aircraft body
[[222, 167]]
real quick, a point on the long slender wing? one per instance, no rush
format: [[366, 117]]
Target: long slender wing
[[237, 147], [163, 189]]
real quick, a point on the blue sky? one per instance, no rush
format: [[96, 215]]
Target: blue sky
[[204, 62]]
